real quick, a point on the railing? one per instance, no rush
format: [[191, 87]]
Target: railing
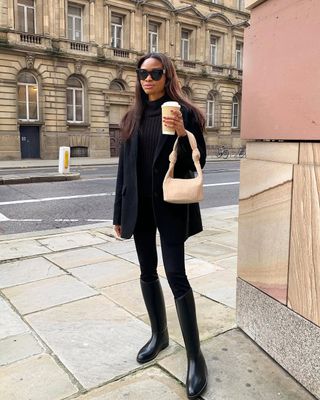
[[79, 46], [215, 68], [121, 53], [30, 38], [189, 64]]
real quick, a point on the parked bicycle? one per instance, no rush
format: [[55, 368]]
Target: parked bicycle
[[223, 152], [241, 152]]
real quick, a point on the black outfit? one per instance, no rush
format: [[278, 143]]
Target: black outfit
[[140, 209], [142, 166]]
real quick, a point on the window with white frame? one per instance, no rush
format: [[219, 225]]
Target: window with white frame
[[153, 37], [26, 16], [28, 97], [75, 100], [185, 44], [239, 55], [116, 31], [235, 112], [210, 110], [213, 50], [75, 22], [241, 5]]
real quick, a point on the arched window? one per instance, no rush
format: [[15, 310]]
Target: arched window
[[211, 109], [235, 123], [28, 97], [75, 100], [117, 85]]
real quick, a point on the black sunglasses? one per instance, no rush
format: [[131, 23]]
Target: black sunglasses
[[155, 74]]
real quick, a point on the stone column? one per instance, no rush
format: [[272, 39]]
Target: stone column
[[92, 36], [178, 40], [167, 36], [132, 30], [144, 33], [198, 47], [62, 18], [10, 14], [106, 24]]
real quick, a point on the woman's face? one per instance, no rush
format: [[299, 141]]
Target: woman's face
[[153, 88]]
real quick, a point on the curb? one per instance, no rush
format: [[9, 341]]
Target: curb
[[13, 180]]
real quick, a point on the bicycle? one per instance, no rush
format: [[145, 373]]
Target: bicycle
[[223, 152], [241, 153]]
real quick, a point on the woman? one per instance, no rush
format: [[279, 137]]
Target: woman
[[140, 210]]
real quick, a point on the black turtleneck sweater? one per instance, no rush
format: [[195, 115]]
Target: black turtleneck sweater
[[149, 134]]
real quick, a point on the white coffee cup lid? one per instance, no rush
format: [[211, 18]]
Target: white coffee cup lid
[[171, 104]]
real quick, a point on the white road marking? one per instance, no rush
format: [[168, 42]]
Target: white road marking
[[24, 220], [3, 217], [79, 196], [219, 184]]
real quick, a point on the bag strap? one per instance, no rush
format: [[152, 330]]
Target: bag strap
[[195, 154]]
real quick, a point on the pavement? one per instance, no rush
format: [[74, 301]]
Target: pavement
[[73, 319]]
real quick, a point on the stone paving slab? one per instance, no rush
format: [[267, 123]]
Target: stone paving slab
[[213, 319], [47, 293], [239, 370], [195, 267], [94, 338], [229, 239], [21, 248], [219, 286], [128, 295], [36, 378], [107, 273], [118, 247], [75, 258], [10, 323], [70, 241], [228, 263], [15, 348], [210, 251], [148, 384], [25, 271]]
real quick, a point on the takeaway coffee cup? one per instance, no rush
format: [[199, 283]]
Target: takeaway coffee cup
[[166, 112]]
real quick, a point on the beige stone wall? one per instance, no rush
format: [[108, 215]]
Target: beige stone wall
[[97, 65]]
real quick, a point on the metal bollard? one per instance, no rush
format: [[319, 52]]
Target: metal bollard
[[64, 160]]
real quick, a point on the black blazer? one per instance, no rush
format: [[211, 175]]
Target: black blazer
[[176, 222]]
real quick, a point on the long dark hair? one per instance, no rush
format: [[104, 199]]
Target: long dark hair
[[172, 88]]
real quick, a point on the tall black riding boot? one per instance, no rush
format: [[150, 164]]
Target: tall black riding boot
[[153, 298], [197, 369]]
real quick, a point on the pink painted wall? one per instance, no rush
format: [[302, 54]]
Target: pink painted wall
[[281, 81]]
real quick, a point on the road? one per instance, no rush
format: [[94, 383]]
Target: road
[[39, 206]]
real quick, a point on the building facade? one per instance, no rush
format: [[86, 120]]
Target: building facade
[[67, 69]]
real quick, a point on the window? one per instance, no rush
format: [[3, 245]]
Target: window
[[235, 112], [75, 23], [75, 97], [213, 49], [153, 37], [239, 52], [117, 85], [116, 31], [210, 111], [241, 5], [185, 44], [28, 98], [26, 16]]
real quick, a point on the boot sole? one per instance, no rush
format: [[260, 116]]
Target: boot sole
[[154, 356], [195, 396]]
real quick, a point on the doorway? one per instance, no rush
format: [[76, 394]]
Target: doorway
[[29, 141]]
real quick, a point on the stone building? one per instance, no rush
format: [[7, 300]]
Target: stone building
[[67, 69]]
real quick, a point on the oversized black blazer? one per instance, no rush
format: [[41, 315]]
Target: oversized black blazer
[[176, 222]]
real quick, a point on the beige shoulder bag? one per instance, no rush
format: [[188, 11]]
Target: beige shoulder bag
[[183, 191]]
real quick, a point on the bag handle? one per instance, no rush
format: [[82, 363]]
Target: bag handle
[[195, 154]]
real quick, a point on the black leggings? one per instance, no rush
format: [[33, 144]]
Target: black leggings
[[172, 254]]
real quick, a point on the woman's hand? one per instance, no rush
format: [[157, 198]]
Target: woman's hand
[[117, 230], [175, 122]]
